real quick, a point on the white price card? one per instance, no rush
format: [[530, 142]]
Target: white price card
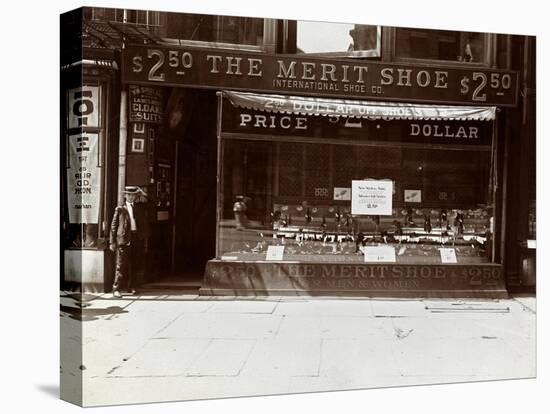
[[275, 253], [371, 197], [384, 254], [448, 255]]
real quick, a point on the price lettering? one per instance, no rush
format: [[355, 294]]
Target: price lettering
[[176, 59], [481, 82]]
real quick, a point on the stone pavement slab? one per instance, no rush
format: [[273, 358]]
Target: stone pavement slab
[[283, 358], [222, 357], [325, 307], [353, 360], [398, 308], [163, 358], [352, 327], [221, 326], [528, 302], [296, 328], [241, 306]]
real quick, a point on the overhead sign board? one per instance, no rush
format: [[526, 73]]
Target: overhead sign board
[[243, 121], [292, 74]]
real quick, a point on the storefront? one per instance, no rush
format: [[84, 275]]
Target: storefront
[[89, 97], [383, 171], [354, 197], [338, 178]]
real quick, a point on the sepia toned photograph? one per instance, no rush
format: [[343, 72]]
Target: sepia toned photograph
[[257, 206]]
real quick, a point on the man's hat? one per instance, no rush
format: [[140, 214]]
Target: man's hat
[[134, 189]]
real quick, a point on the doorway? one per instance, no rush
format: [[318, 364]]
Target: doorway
[[181, 245]]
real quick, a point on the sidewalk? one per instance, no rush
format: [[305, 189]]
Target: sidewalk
[[183, 347]]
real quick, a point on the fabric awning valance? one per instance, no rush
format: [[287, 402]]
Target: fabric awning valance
[[357, 109]]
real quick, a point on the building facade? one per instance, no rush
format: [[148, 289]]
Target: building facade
[[377, 161]]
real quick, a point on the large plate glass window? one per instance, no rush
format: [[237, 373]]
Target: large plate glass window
[[208, 28], [338, 39], [298, 192], [442, 45]]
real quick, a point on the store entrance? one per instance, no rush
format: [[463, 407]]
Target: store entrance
[[195, 200], [181, 245]]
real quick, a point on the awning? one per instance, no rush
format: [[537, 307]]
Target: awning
[[357, 109]]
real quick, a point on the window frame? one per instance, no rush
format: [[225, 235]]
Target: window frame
[[355, 54], [489, 58], [155, 21], [267, 46]]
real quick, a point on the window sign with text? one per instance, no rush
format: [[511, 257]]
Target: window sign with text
[[379, 254], [83, 107], [448, 255], [371, 197], [275, 253], [83, 178]]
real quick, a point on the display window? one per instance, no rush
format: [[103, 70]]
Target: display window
[[327, 189]]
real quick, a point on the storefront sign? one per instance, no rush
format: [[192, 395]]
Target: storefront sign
[[371, 197], [445, 130], [83, 107], [451, 132], [392, 279], [83, 177], [145, 104], [284, 74]]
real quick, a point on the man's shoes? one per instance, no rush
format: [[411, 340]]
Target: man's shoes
[[116, 294], [133, 292]]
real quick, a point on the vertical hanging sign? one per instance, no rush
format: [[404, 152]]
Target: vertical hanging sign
[[83, 175], [83, 107], [83, 171]]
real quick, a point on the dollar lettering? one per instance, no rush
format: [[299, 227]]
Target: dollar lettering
[[464, 88]]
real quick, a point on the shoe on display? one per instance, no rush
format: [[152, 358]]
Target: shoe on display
[[133, 292]]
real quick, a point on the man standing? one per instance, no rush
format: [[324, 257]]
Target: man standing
[[122, 240]]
